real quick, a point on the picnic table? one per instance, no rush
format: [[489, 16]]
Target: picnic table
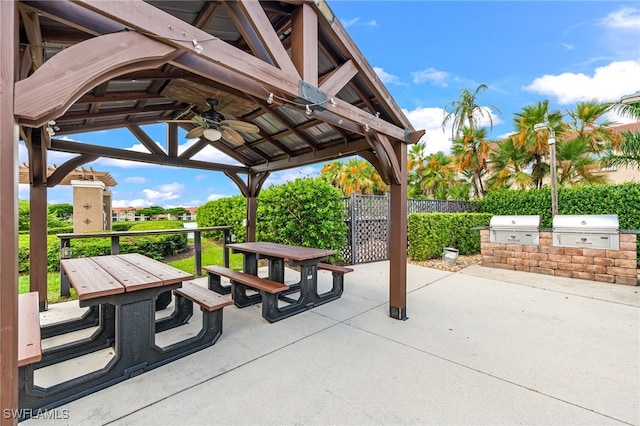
[[125, 288], [273, 289]]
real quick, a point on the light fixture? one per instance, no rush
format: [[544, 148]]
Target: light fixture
[[552, 154], [197, 47], [333, 102], [307, 110], [270, 99], [212, 134], [367, 128]]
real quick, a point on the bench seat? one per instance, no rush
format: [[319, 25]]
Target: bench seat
[[249, 280], [334, 268], [207, 299], [29, 343]]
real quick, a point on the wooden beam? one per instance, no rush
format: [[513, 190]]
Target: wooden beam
[[38, 218], [339, 78], [398, 239], [67, 76], [70, 165], [172, 139], [148, 19], [304, 43], [9, 24], [145, 140], [31, 22], [124, 154], [326, 154]]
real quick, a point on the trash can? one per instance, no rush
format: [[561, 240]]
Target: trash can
[[450, 255]]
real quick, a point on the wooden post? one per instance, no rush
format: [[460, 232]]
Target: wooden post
[[38, 219], [398, 236], [8, 213]]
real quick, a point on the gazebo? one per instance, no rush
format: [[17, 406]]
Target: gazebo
[[280, 82]]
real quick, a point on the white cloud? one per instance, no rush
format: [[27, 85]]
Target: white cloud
[[155, 197], [284, 176], [567, 46], [138, 202], [431, 75], [430, 120], [608, 83], [624, 18], [135, 180], [200, 178], [214, 197], [356, 21], [386, 77]]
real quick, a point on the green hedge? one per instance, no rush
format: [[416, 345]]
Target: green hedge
[[623, 200], [430, 233], [122, 226], [304, 212], [229, 211], [157, 246]]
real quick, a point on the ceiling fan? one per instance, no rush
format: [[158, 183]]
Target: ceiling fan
[[212, 125]]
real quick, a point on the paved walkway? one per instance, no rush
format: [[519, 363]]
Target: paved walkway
[[481, 346]]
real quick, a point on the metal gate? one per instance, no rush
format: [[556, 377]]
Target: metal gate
[[368, 227]]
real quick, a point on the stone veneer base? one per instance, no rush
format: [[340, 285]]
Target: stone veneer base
[[611, 266]]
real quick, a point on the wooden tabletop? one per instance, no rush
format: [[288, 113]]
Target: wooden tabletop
[[105, 275], [281, 250]]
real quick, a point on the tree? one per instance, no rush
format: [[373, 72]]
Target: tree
[[508, 166], [466, 112], [415, 170], [176, 211], [356, 175], [585, 125], [23, 215], [536, 144], [576, 163], [438, 175], [471, 152], [63, 211], [152, 211], [628, 154]]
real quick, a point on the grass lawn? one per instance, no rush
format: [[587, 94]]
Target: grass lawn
[[211, 255]]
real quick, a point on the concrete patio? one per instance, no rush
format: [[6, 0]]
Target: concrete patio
[[481, 346]]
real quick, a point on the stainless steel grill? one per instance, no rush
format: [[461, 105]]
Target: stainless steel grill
[[523, 229], [587, 231]]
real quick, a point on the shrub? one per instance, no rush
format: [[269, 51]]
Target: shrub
[[229, 211], [156, 246], [303, 212], [430, 233], [122, 226], [620, 199]]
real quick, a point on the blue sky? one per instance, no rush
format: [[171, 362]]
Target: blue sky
[[426, 52]]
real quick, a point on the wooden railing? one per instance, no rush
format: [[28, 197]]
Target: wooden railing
[[65, 243]]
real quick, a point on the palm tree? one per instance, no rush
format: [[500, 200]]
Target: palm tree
[[508, 166], [536, 143], [466, 112], [438, 175], [416, 167], [576, 163], [628, 154], [471, 152], [584, 125], [356, 175]]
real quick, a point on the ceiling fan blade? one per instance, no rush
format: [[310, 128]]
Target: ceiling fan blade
[[196, 132], [241, 126], [232, 136]]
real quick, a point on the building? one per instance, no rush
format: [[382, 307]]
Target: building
[[617, 175], [130, 214]]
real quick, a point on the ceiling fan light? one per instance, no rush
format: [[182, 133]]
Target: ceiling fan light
[[212, 134]]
